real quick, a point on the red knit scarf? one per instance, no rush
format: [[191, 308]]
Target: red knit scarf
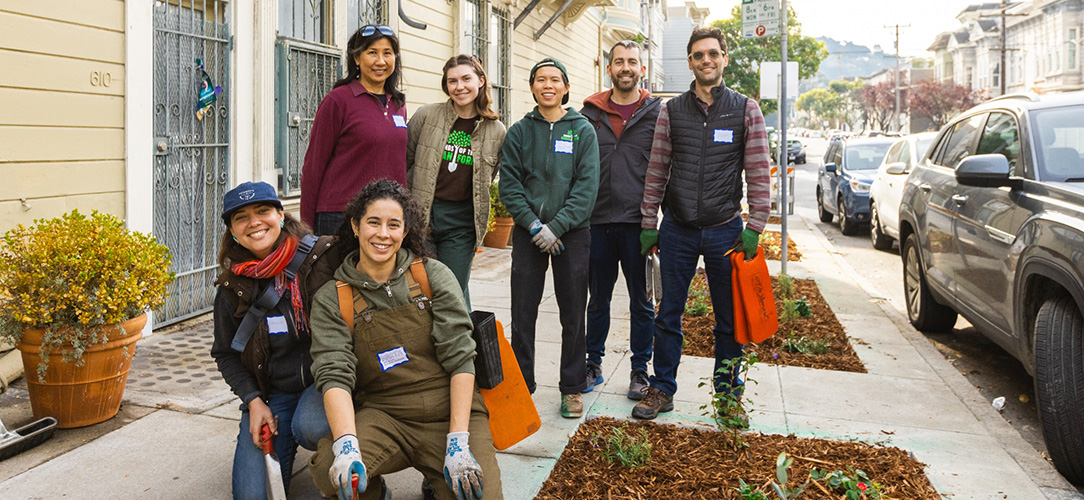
[[272, 266]]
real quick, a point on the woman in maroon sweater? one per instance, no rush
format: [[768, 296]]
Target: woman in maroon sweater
[[359, 133]]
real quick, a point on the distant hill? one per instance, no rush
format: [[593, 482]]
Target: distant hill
[[848, 60]]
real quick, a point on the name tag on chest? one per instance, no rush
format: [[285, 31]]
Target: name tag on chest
[[399, 121], [276, 325], [560, 146], [723, 135], [392, 358]]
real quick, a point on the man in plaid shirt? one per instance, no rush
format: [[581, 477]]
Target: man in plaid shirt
[[704, 139]]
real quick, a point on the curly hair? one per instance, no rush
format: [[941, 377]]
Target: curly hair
[[415, 237]]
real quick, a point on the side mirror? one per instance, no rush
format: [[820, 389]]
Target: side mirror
[[830, 168], [990, 170], [896, 168]]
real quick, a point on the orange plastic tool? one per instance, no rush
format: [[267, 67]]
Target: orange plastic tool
[[512, 414]]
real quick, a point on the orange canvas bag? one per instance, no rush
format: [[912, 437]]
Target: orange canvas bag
[[755, 317], [512, 414]]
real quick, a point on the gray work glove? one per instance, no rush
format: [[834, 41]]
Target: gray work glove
[[544, 238], [347, 463], [461, 470]]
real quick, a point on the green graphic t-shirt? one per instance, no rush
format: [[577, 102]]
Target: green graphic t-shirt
[[456, 163]]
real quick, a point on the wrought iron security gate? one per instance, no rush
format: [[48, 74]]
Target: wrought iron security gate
[[191, 163], [305, 74]]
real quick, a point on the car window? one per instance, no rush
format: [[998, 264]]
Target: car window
[[865, 156], [1001, 136], [905, 156], [921, 148], [961, 141], [1059, 138], [837, 156], [894, 152]]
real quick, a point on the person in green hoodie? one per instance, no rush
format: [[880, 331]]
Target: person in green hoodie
[[548, 182]]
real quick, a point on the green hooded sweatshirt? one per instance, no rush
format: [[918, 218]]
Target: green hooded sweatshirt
[[549, 171]]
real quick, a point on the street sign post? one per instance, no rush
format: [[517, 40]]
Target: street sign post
[[759, 18]]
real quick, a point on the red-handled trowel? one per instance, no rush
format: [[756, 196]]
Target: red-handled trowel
[[275, 490]]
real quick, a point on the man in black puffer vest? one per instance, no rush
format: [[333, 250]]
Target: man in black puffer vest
[[704, 139]]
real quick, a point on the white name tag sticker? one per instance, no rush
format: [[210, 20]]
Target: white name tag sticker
[[399, 121], [562, 147], [724, 135], [276, 325], [392, 358]]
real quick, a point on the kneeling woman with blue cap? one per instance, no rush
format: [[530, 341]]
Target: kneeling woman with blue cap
[[271, 268]]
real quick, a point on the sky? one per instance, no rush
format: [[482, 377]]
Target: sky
[[863, 21]]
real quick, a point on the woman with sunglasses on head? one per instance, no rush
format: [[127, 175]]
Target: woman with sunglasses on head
[[394, 360], [453, 154], [359, 133], [271, 268]]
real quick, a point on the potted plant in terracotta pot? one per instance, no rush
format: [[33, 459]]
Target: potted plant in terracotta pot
[[74, 291], [499, 232]]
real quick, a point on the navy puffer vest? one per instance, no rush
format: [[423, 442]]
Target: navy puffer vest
[[708, 150]]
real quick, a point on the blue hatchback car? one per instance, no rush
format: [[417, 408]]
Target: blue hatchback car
[[844, 179]]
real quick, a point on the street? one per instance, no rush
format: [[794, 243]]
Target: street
[[987, 366]]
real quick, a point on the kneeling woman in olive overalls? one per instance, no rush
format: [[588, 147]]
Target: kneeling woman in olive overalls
[[399, 389]]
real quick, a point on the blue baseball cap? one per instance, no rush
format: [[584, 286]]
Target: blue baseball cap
[[247, 193]]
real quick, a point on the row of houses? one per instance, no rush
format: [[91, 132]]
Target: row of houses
[[100, 96], [1040, 39]]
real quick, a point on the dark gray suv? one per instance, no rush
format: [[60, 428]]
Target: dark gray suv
[[992, 228]]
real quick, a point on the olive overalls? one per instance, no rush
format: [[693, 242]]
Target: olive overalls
[[403, 404]]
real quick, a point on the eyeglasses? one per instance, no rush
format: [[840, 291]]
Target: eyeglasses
[[373, 28], [711, 54]]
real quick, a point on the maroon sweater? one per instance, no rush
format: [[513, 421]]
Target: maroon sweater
[[355, 140]]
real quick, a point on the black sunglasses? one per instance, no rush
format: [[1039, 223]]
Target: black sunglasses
[[373, 28]]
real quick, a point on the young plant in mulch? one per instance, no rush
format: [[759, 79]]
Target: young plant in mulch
[[809, 334], [729, 409], [772, 243], [630, 450]]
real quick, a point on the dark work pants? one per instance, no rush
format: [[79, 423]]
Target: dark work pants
[[612, 244], [680, 248], [452, 226], [529, 266]]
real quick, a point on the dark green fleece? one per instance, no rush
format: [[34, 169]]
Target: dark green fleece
[[538, 181]]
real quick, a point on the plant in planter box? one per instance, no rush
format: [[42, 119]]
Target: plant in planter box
[[77, 286]]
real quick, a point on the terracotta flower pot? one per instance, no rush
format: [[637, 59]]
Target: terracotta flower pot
[[75, 395], [501, 234]]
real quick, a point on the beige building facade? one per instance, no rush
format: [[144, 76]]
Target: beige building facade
[[100, 97]]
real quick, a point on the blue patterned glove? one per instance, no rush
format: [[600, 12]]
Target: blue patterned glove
[[347, 463], [461, 470]]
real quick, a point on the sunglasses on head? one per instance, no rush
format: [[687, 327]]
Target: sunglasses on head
[[373, 28], [713, 54]]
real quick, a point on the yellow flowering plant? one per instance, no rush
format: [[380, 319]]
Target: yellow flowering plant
[[73, 274]]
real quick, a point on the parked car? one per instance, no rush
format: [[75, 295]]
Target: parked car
[[992, 225], [795, 151], [884, 193], [843, 181]]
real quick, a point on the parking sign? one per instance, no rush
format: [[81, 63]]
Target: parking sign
[[759, 18]]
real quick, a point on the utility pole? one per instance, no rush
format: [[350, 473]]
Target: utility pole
[[1002, 38], [896, 117]]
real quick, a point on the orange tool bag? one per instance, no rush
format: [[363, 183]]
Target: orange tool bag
[[512, 414], [755, 317]]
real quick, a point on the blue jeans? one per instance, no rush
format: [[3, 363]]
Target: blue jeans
[[680, 248], [612, 244], [301, 421]]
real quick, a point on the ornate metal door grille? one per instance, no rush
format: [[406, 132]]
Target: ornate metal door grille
[[362, 12], [305, 74], [191, 164], [498, 66]]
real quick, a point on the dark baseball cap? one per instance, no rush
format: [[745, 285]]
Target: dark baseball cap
[[247, 193], [549, 61]]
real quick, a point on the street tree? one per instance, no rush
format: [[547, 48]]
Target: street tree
[[940, 100], [878, 103], [823, 104], [746, 54]]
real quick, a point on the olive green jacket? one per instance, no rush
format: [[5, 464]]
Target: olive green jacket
[[427, 133]]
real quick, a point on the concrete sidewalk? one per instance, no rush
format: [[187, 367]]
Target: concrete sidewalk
[[175, 435]]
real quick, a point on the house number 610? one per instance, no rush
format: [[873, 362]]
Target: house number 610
[[101, 79]]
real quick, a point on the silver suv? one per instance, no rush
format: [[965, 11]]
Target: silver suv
[[992, 228]]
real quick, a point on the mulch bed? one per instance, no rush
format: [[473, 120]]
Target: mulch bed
[[770, 241], [700, 341], [689, 463]]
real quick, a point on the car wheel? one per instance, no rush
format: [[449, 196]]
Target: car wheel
[[825, 215], [1059, 377], [876, 235], [925, 313], [846, 225], [801, 160]]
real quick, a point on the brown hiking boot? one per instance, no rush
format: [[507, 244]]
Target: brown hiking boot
[[654, 402], [571, 405]]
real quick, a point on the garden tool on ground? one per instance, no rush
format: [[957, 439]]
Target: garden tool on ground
[[275, 490], [25, 437]]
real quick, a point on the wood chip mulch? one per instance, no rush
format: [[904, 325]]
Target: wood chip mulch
[[690, 463], [770, 242], [700, 341]]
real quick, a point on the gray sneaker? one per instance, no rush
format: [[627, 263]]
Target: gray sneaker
[[637, 385], [594, 376]]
